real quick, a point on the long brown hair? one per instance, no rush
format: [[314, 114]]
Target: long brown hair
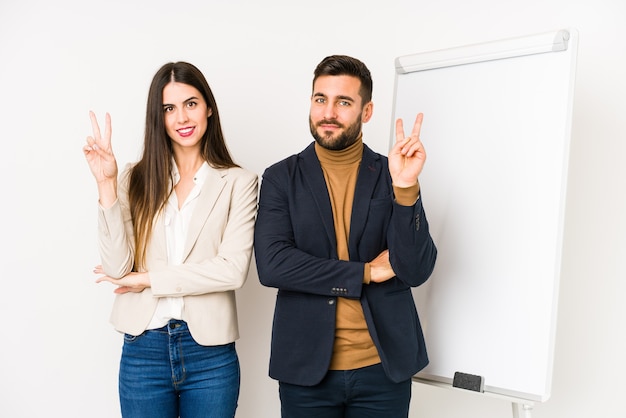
[[150, 179]]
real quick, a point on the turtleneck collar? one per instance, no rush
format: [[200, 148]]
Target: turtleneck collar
[[348, 155]]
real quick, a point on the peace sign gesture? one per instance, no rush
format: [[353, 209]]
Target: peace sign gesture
[[101, 160], [407, 156]]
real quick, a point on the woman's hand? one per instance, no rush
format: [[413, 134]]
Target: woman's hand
[[99, 156], [98, 151], [132, 282]]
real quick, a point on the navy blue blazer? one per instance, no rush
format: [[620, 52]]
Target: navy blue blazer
[[296, 252]]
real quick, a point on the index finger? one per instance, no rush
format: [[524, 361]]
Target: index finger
[[107, 128], [399, 131], [105, 141], [417, 126], [94, 126]]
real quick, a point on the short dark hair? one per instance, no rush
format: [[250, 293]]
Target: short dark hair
[[345, 65]]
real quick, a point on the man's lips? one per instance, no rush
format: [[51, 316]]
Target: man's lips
[[329, 125]]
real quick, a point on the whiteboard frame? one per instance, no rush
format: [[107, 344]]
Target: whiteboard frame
[[563, 40]]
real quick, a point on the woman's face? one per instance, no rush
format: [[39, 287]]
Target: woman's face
[[185, 114]]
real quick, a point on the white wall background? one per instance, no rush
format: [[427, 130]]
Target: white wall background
[[60, 59]]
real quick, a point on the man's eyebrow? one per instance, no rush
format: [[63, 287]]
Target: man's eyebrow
[[340, 97]]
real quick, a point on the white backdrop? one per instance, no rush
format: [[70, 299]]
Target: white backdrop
[[61, 59]]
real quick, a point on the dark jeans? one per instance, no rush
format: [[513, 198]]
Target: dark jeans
[[359, 393], [164, 373]]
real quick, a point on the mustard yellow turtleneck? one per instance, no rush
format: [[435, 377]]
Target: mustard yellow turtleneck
[[353, 346]]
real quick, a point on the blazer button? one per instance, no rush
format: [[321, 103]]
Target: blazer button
[[331, 301]]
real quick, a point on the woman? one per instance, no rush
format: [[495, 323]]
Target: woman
[[175, 237]]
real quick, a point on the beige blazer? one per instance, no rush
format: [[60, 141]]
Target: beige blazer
[[216, 261]]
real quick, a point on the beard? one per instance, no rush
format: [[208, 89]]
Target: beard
[[342, 141]]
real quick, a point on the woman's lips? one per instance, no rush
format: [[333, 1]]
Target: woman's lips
[[185, 132]]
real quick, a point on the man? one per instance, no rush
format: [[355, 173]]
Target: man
[[341, 233]]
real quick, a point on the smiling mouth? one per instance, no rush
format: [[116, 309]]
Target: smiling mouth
[[185, 132]]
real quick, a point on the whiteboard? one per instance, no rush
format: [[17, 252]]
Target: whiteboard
[[496, 130]]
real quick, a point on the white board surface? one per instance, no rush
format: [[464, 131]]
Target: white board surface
[[496, 130]]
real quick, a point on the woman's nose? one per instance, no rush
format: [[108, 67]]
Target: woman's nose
[[182, 116]]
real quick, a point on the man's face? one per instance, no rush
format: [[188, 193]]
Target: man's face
[[337, 112]]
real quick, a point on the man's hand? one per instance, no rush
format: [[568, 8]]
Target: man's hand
[[380, 268], [407, 156]]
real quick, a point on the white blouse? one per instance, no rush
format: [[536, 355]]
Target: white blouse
[[176, 226]]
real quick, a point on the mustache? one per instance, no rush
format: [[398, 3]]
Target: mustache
[[329, 122]]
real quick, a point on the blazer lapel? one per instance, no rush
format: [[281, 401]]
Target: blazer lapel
[[211, 190], [369, 174], [314, 177]]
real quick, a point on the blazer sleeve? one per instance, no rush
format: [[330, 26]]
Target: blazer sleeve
[[310, 265], [412, 252], [115, 233], [221, 256]]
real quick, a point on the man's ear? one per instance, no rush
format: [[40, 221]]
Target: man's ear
[[367, 112]]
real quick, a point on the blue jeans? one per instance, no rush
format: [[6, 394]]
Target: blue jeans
[[360, 393], [164, 373]]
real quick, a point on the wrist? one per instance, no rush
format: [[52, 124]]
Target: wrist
[[406, 196], [107, 192]]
